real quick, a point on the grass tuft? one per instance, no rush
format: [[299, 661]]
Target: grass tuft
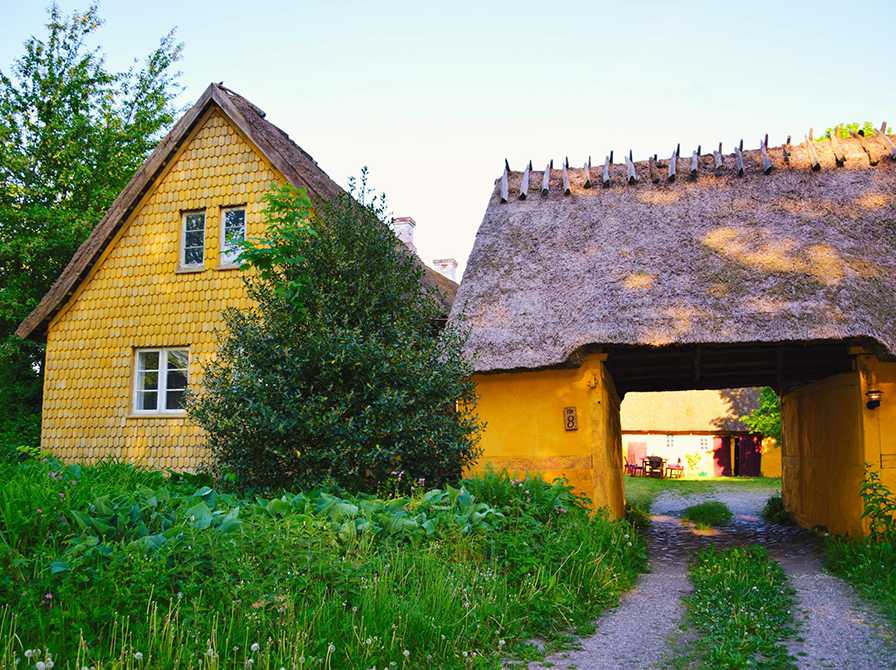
[[708, 514]]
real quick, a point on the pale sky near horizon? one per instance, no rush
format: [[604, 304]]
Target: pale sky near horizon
[[432, 97]]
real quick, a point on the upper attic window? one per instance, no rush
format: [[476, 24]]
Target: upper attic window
[[233, 231], [192, 247]]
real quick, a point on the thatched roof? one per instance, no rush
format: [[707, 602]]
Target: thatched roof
[[285, 155], [786, 254], [706, 411]]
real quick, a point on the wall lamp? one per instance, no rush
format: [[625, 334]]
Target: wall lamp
[[874, 396]]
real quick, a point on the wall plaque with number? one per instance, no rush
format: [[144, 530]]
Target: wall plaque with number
[[570, 421]]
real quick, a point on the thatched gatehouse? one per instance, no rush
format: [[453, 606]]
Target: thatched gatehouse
[[766, 267]]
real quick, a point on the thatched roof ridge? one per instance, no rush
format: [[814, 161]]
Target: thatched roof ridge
[[795, 255], [285, 155]]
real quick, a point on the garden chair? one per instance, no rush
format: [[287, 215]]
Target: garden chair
[[675, 471], [655, 467], [633, 469]]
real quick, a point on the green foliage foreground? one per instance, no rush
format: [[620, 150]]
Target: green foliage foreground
[[742, 610], [869, 564], [707, 514], [113, 566]]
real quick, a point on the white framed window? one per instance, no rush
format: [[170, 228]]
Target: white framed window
[[233, 231], [670, 441], [704, 443], [161, 377], [192, 241]]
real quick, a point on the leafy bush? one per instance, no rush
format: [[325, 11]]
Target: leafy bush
[[774, 511], [742, 609], [338, 374], [705, 515], [766, 418], [99, 563], [870, 563]]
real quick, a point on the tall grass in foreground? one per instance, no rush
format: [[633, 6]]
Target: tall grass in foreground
[[741, 610], [115, 567]]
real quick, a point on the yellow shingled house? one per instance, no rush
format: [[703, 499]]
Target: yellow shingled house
[[133, 316]]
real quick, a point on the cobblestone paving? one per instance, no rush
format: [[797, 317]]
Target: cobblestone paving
[[643, 632]]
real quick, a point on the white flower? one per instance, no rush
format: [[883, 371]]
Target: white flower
[[301, 660], [49, 662], [406, 653], [501, 643], [331, 648], [465, 654], [138, 656], [210, 652], [40, 665], [629, 544], [368, 641], [254, 646], [250, 662], [28, 653]]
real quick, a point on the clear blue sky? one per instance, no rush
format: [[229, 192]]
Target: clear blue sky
[[433, 96]]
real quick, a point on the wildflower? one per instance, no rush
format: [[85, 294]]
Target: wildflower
[[38, 510], [406, 653], [626, 536], [254, 646], [443, 637], [465, 654], [301, 660], [527, 491], [368, 641], [250, 662], [331, 648], [501, 643], [49, 662], [629, 544], [49, 596], [138, 656], [40, 665], [28, 653]]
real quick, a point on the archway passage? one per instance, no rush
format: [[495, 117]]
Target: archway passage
[[771, 267]]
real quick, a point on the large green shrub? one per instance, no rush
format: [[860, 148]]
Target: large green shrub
[[338, 374]]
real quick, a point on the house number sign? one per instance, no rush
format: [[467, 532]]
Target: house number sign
[[570, 421]]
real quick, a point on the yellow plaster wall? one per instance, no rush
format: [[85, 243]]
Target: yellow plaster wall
[[525, 428], [770, 464], [829, 434], [136, 298], [824, 452]]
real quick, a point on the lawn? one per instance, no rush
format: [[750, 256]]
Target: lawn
[[113, 566], [642, 490]]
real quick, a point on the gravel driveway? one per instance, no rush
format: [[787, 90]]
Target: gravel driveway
[[837, 630]]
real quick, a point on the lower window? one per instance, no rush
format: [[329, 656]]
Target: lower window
[[161, 381]]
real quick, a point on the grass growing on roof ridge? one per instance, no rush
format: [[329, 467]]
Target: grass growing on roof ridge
[[741, 611], [143, 565]]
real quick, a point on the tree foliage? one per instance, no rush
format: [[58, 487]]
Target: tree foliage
[[766, 418], [72, 134], [866, 128], [337, 374]]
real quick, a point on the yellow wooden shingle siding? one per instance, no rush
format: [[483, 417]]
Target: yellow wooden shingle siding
[[136, 298]]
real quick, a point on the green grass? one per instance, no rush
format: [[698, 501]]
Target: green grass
[[741, 611], [100, 564], [707, 514], [870, 566], [642, 490]]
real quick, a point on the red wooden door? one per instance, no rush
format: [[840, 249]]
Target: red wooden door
[[721, 456], [750, 448], [636, 451]]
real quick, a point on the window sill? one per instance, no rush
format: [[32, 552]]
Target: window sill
[[157, 415], [230, 266], [186, 271]]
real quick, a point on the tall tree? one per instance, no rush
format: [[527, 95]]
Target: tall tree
[[72, 134]]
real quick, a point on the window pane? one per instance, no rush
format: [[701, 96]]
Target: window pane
[[194, 256], [147, 400], [176, 381], [174, 400], [148, 360], [178, 359], [148, 381], [194, 240], [195, 222], [235, 222]]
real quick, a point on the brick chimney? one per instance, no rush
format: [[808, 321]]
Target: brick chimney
[[446, 267], [404, 229]]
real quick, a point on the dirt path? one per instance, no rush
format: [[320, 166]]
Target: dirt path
[[837, 630]]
